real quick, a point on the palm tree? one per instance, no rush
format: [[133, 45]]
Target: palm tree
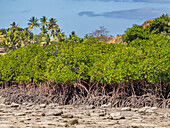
[[33, 22], [47, 39], [27, 30], [52, 26], [43, 20], [11, 40], [53, 34], [73, 33], [44, 30], [13, 27], [60, 35], [28, 36], [43, 25]]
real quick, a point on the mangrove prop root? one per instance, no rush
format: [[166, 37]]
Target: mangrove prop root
[[138, 95]]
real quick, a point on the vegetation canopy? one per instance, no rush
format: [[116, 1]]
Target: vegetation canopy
[[87, 67]]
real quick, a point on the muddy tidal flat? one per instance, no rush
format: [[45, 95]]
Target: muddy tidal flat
[[29, 115]]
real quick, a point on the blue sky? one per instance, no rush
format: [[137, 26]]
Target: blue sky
[[83, 16]]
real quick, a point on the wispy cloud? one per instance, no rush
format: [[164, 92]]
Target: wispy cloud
[[152, 1], [89, 13], [26, 11], [141, 13], [147, 1]]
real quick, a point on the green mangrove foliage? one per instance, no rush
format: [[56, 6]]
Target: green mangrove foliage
[[89, 60]]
